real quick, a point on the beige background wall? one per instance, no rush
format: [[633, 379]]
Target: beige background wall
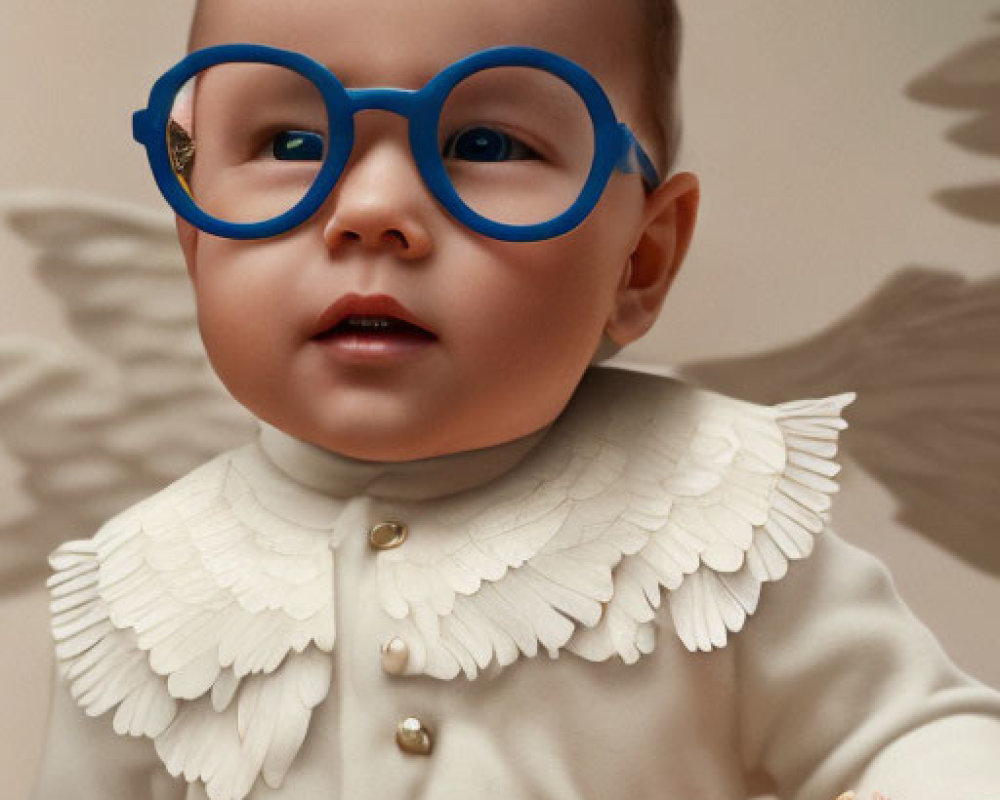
[[819, 176]]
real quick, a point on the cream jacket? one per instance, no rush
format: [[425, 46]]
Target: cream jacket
[[644, 600]]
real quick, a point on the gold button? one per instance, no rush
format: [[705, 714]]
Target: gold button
[[413, 738], [387, 535], [395, 656]]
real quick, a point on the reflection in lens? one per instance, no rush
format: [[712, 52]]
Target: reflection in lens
[[517, 144], [246, 141], [180, 148]]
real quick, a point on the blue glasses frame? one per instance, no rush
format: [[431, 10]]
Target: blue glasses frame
[[615, 146]]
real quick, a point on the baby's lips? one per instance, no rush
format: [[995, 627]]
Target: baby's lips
[[356, 305]]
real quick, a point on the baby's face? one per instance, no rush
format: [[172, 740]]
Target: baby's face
[[514, 325]]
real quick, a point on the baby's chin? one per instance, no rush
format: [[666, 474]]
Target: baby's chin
[[388, 440], [409, 417]]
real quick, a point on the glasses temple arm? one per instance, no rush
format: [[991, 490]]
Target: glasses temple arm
[[634, 159], [140, 126]]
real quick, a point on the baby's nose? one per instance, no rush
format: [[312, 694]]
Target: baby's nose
[[380, 200]]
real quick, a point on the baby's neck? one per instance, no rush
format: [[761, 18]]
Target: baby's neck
[[341, 476]]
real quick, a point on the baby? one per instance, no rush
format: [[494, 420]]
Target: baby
[[407, 288]]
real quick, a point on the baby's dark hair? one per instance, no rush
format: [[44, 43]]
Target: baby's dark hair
[[662, 43]]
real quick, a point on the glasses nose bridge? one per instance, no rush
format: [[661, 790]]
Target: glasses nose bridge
[[401, 102]]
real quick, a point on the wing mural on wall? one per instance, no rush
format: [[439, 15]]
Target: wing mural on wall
[[922, 354], [97, 430], [969, 81]]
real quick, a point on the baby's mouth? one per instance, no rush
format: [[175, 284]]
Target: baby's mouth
[[372, 327]]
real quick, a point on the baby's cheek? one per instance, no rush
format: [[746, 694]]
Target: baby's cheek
[[242, 347]]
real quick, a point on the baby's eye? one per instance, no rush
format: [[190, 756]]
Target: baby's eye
[[479, 143], [297, 146]]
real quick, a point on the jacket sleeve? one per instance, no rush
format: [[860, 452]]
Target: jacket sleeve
[[84, 759], [841, 687]]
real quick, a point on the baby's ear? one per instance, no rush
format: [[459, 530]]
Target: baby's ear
[[187, 235], [668, 224]]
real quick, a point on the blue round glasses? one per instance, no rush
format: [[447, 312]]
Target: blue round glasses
[[247, 141]]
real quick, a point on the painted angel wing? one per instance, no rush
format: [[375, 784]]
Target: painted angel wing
[[644, 484], [968, 82], [922, 354], [204, 617], [95, 431]]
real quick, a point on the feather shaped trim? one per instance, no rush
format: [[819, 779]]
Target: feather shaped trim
[[643, 485], [259, 734], [206, 618], [777, 447], [773, 498], [103, 664]]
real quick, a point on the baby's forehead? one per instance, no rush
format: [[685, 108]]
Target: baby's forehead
[[400, 43]]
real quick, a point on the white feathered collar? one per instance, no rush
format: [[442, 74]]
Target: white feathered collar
[[204, 614]]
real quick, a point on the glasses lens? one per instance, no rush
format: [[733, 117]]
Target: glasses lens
[[517, 143], [246, 141]]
